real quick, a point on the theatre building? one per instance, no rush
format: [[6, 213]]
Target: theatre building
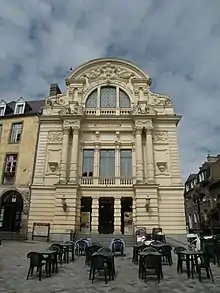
[[107, 158]]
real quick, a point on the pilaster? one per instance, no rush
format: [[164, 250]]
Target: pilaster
[[138, 153], [64, 155], [149, 156], [117, 163], [74, 156], [117, 216], [95, 215]]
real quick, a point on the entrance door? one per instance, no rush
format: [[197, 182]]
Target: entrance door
[[106, 215], [85, 215], [126, 215], [11, 211]]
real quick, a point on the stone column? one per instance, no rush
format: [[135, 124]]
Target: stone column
[[149, 155], [117, 216], [74, 156], [138, 154], [95, 215], [117, 163], [64, 155], [133, 161]]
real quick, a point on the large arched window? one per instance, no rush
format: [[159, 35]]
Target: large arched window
[[108, 97]]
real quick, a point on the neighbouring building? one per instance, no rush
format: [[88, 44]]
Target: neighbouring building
[[107, 157], [202, 197], [18, 140]]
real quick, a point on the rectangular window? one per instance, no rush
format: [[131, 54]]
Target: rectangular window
[[10, 169], [2, 111], [107, 164], [88, 163], [126, 163], [16, 132], [19, 109]]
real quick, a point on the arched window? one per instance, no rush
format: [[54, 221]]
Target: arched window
[[91, 102], [124, 101], [108, 97]]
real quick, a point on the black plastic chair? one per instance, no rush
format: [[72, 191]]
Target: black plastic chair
[[166, 253], [118, 246], [149, 249], [71, 248], [181, 258], [152, 262], [80, 247], [36, 261], [89, 252], [61, 251], [104, 250], [98, 263]]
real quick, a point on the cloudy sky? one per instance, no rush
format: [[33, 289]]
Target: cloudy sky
[[176, 42]]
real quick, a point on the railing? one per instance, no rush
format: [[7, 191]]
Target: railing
[[97, 181], [107, 111]]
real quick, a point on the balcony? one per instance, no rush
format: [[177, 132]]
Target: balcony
[[107, 111], [115, 181]]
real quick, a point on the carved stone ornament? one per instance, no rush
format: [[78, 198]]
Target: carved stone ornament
[[72, 109], [140, 124], [160, 136], [107, 72], [162, 166], [160, 100], [53, 166], [74, 124], [142, 108], [55, 136], [58, 100]]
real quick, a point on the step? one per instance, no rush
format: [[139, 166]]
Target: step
[[105, 239], [4, 235]]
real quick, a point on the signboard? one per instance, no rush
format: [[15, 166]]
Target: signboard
[[128, 223], [85, 222], [41, 230]]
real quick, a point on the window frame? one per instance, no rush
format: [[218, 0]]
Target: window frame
[[98, 89], [100, 164], [4, 168], [4, 108], [83, 160], [130, 158], [14, 123], [18, 105]]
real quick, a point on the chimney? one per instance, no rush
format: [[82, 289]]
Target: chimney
[[54, 89], [212, 159]]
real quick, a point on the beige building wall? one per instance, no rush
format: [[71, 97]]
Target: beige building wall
[[147, 127], [25, 150]]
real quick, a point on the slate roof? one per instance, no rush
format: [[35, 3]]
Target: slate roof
[[31, 108], [191, 177]]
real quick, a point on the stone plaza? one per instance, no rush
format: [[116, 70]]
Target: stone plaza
[[74, 276]]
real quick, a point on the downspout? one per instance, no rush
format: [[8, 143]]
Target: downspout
[[33, 171]]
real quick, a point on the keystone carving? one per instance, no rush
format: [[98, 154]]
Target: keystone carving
[[162, 166], [53, 166]]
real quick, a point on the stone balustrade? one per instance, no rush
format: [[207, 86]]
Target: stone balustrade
[[115, 181]]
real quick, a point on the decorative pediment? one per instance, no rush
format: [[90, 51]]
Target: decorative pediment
[[143, 108]]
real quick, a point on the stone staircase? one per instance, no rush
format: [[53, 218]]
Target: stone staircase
[[105, 239], [4, 235]]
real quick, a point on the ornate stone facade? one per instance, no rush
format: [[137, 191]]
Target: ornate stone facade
[[122, 114]]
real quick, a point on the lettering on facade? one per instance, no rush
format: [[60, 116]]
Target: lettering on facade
[[160, 136], [55, 136]]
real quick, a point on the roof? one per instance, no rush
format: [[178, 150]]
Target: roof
[[191, 177], [205, 166], [31, 108]]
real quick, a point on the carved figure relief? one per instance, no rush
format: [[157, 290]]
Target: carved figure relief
[[160, 100], [160, 136], [59, 100], [72, 109], [55, 137], [54, 166], [143, 108]]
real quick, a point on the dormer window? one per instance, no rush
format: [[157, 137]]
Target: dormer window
[[2, 107], [19, 107]]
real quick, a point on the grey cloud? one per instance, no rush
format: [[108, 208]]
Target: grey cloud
[[176, 42]]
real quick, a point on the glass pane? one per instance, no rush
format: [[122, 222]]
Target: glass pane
[[107, 163], [126, 163], [108, 97], [91, 101], [88, 162], [124, 101]]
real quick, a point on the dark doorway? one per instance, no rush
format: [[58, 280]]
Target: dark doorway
[[106, 215], [126, 215], [85, 214], [11, 211]]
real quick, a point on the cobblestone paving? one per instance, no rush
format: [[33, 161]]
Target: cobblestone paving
[[73, 277]]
